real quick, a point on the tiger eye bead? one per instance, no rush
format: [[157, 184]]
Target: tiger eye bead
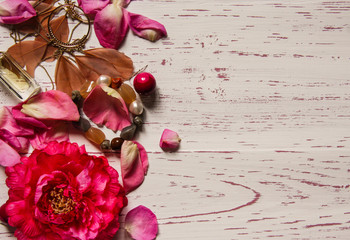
[[127, 93], [86, 88], [116, 143], [95, 135]]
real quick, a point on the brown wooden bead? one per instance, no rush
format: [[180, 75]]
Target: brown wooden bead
[[95, 135], [116, 143], [127, 93], [86, 88]]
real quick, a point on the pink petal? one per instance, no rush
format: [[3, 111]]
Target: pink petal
[[145, 27], [25, 121], [111, 26], [8, 122], [8, 155], [16, 11], [106, 108], [58, 131], [143, 157], [10, 139], [169, 140], [141, 223], [51, 105], [133, 168], [92, 7]]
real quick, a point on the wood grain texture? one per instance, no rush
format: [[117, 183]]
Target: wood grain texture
[[259, 93]]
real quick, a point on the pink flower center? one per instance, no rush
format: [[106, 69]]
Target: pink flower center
[[60, 203]]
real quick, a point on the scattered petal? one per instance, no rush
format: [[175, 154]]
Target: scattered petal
[[145, 27], [141, 223], [58, 131], [92, 7], [169, 140], [8, 122], [105, 106], [8, 155], [111, 26], [51, 105], [15, 11], [134, 165]]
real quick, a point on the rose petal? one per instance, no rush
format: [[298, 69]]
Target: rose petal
[[58, 131], [145, 27], [92, 7], [169, 140], [15, 11], [111, 26], [51, 105], [25, 121], [143, 157], [141, 223], [134, 165], [8, 155], [8, 122], [105, 106]]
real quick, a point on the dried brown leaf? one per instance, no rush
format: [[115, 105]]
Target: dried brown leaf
[[67, 76], [28, 54], [106, 61]]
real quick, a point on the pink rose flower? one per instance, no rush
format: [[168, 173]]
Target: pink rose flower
[[61, 192]]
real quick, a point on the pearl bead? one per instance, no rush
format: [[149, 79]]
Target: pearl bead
[[144, 83], [136, 107], [104, 80]]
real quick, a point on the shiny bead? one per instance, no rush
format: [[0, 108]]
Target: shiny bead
[[104, 80], [138, 121], [128, 132], [116, 143], [95, 135], [83, 124], [136, 107], [105, 145], [127, 93], [144, 83], [86, 88]]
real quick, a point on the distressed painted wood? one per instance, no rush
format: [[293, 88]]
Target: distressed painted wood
[[259, 93]]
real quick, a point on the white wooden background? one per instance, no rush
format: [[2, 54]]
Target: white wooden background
[[259, 91]]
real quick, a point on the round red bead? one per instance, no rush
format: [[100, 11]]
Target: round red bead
[[144, 83]]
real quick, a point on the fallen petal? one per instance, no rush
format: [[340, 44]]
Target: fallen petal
[[58, 131], [8, 122], [8, 155], [132, 166], [51, 105], [105, 106], [111, 26], [15, 11], [92, 7], [169, 140], [145, 27], [141, 223], [143, 156]]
